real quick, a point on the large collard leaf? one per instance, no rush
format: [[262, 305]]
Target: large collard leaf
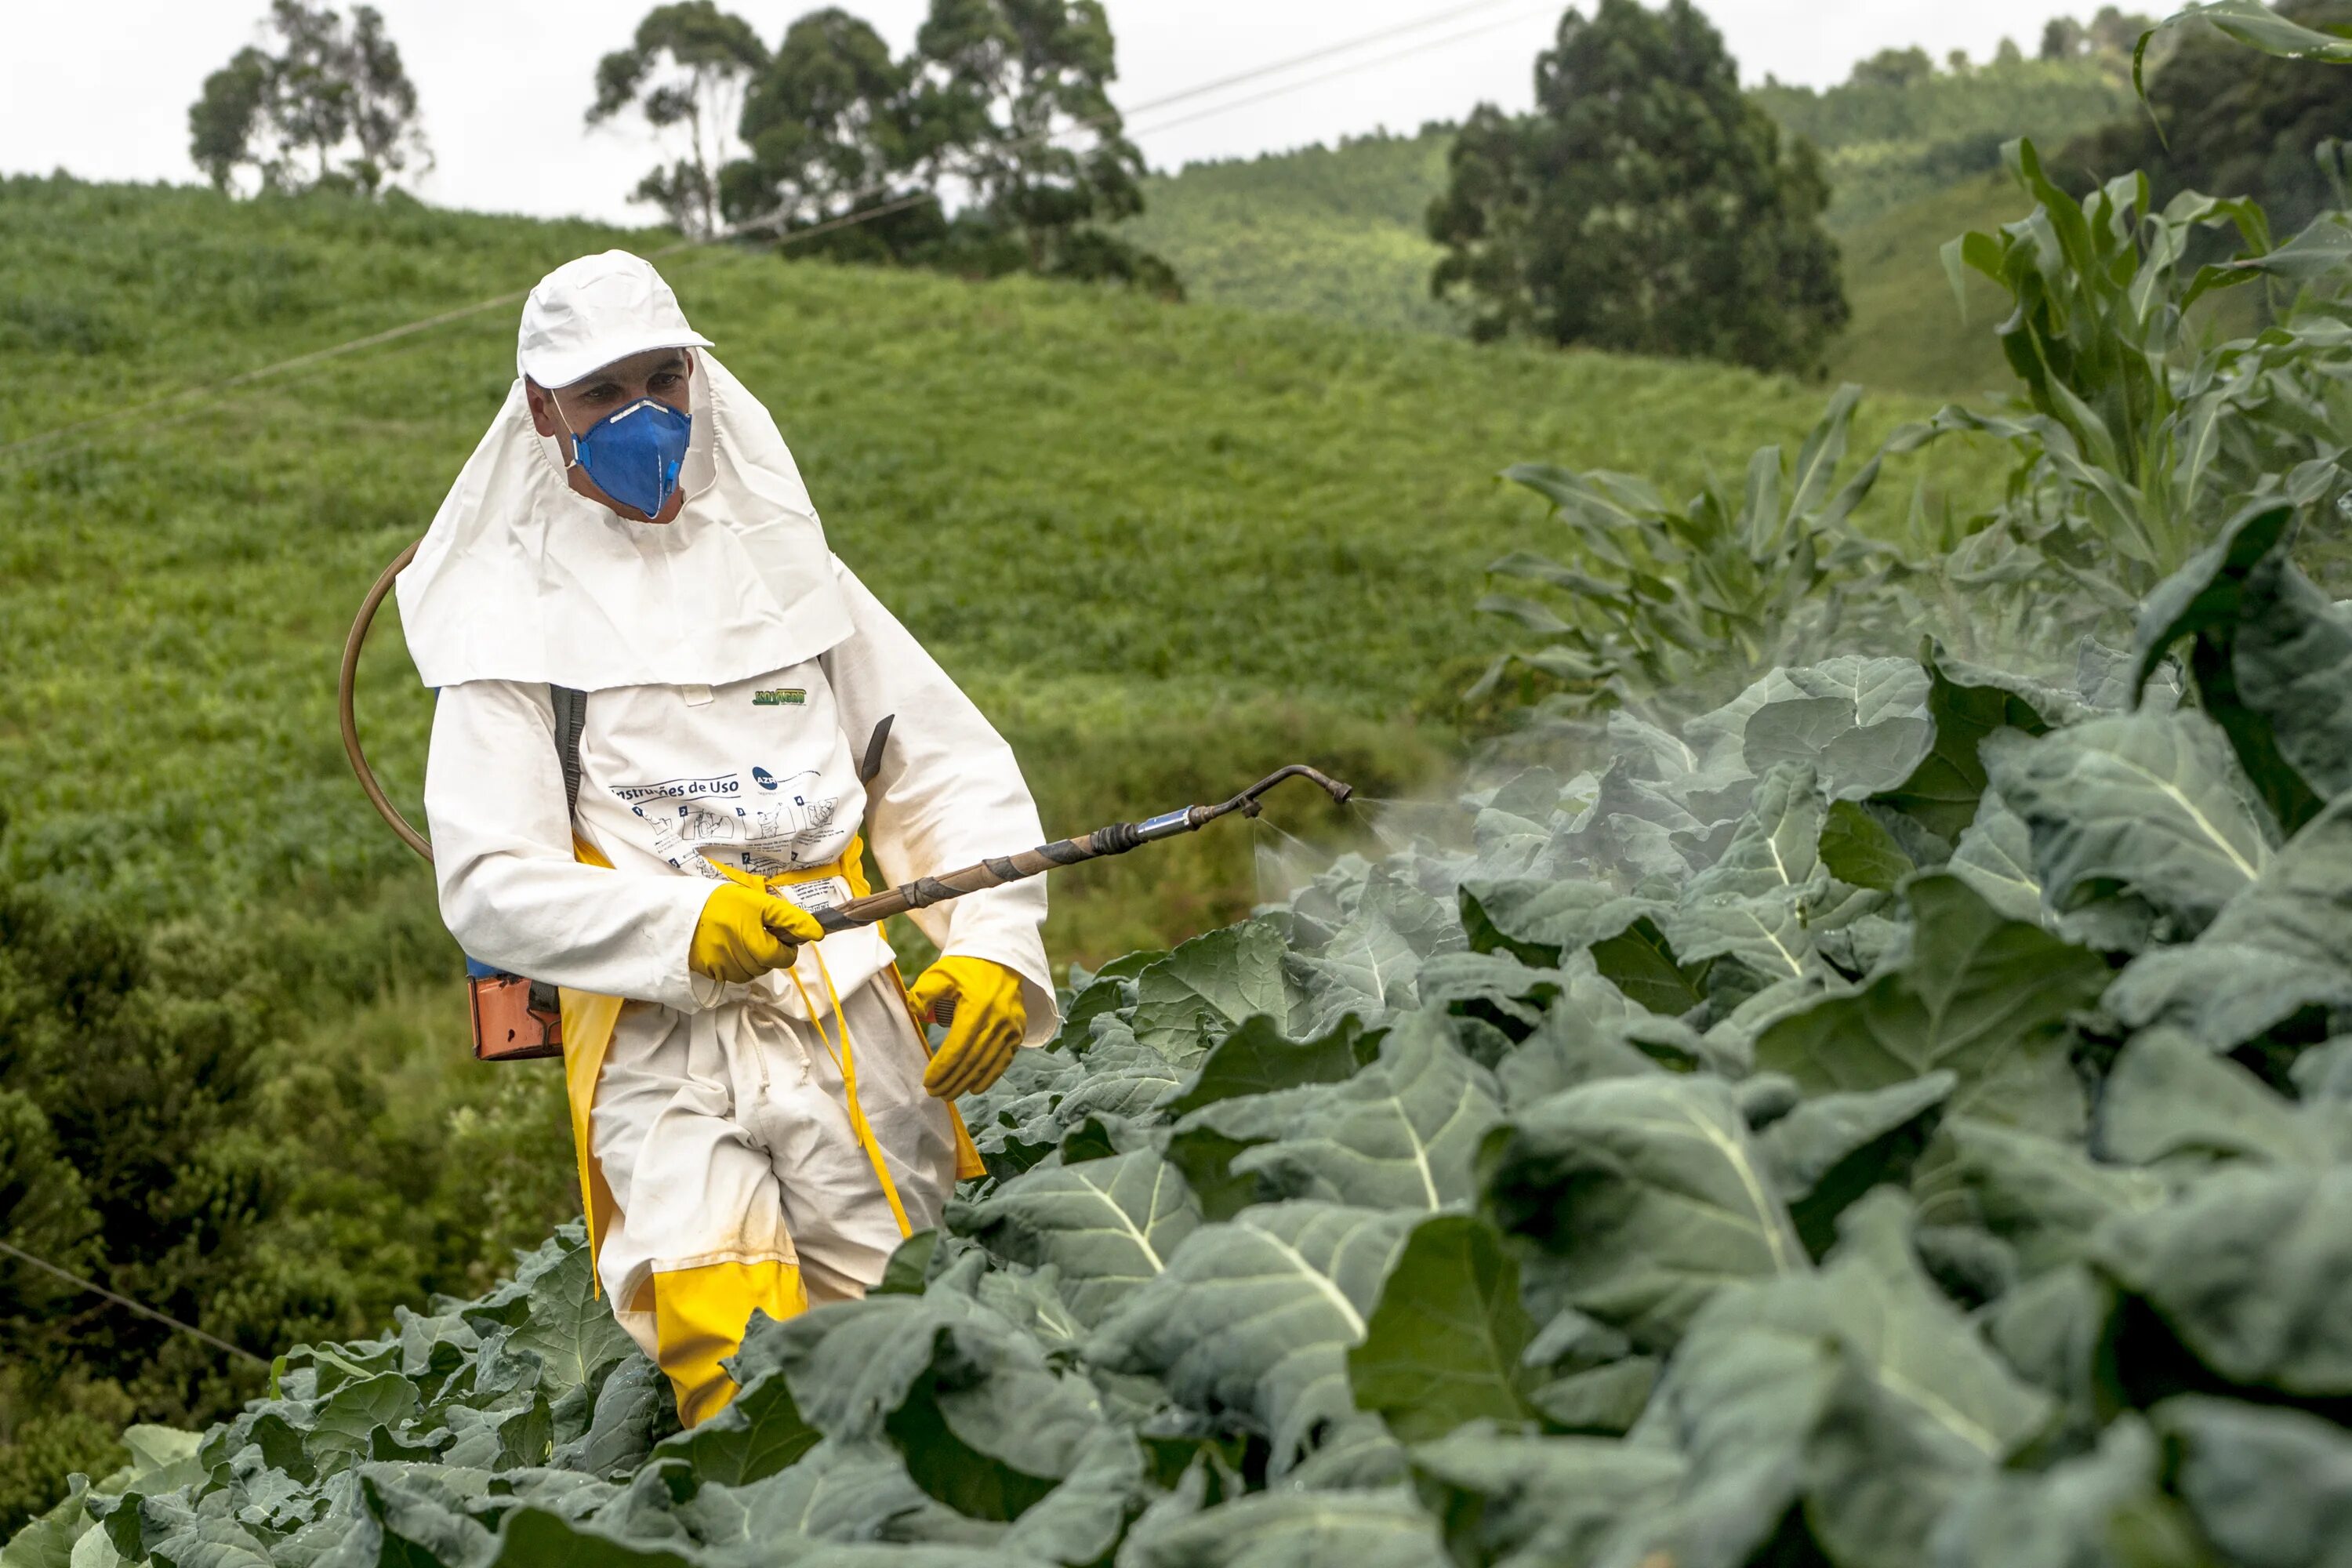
[[1995, 857], [1517, 1501], [568, 1324], [1984, 997], [344, 1429], [48, 1540], [758, 1434], [632, 1412], [1443, 1346], [1874, 1298], [2142, 805], [934, 1374], [1121, 1080], [1401, 1134], [1259, 1058], [2277, 949], [1649, 1195], [2212, 600], [1014, 1121], [1777, 842], [1366, 970], [1858, 848], [2271, 1488], [2292, 654], [1860, 1391], [1253, 1317], [1631, 827], [1515, 821], [1829, 1150], [2042, 1196], [1494, 988], [1292, 1530], [2099, 1508], [1200, 992], [1643, 966], [2169, 1102], [1204, 1144], [2055, 1331], [1538, 920], [2251, 1270], [841, 1492], [1107, 1225], [1370, 967], [1861, 724], [534, 1538], [1568, 1048], [1754, 903], [1941, 793]]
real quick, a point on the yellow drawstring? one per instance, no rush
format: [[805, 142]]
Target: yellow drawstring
[[844, 1059]]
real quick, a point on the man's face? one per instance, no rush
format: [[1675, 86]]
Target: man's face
[[662, 374]]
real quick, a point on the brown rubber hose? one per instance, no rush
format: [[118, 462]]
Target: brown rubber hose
[[343, 690]]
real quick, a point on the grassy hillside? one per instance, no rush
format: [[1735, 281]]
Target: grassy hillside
[[1163, 545], [1337, 232], [1886, 146], [1332, 232], [1907, 331]]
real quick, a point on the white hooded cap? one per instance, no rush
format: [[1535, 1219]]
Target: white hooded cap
[[520, 578], [590, 312]]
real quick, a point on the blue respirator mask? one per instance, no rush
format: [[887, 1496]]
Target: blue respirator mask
[[634, 456]]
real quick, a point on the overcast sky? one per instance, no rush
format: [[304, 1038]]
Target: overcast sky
[[102, 89]]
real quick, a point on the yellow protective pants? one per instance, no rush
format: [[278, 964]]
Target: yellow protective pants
[[699, 1315]]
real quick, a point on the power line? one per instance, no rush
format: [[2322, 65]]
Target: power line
[[1434, 19], [165, 1318], [1349, 70], [774, 220]]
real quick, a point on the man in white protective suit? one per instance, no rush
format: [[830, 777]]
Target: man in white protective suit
[[759, 1120]]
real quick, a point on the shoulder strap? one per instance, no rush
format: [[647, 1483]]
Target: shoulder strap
[[571, 718]]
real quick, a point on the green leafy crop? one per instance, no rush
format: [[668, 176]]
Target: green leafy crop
[[1898, 1118]]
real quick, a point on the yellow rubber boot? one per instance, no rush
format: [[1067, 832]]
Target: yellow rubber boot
[[699, 1315]]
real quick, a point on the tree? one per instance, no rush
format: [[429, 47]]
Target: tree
[[1646, 205], [2114, 33], [2234, 123], [2065, 38], [830, 128], [1895, 68], [333, 106], [1001, 114], [2007, 53], [685, 72]]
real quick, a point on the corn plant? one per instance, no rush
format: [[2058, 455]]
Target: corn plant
[[2137, 443], [1662, 596]]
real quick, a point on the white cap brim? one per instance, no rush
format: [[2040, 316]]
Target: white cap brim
[[554, 369]]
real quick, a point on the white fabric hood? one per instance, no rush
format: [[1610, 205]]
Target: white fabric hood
[[521, 579]]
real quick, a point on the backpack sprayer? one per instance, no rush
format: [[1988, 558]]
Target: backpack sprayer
[[516, 1019]]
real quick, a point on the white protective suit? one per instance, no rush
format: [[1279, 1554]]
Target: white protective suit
[[736, 671]]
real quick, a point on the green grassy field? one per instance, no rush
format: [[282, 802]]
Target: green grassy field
[[1321, 231], [1163, 545], [1908, 332]]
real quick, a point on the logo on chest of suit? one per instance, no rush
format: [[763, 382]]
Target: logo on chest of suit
[[782, 697], [763, 778]]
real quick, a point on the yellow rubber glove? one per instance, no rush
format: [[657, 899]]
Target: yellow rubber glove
[[990, 1021], [746, 932]]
